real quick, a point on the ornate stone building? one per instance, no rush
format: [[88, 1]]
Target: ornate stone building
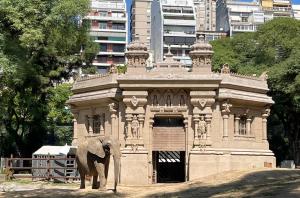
[[176, 124]]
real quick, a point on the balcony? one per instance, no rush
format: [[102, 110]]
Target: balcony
[[281, 2], [180, 22], [112, 53], [184, 34], [106, 18], [107, 5], [99, 29], [243, 28]]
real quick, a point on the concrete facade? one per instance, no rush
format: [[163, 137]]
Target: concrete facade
[[170, 120], [109, 29], [173, 24]]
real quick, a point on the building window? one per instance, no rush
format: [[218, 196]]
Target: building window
[[103, 25], [242, 125], [244, 19], [96, 124]]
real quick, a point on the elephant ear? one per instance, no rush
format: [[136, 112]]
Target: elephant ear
[[95, 147]]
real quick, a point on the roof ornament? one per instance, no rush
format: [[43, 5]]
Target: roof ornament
[[225, 69]]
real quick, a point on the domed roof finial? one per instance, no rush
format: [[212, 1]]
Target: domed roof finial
[[201, 54]]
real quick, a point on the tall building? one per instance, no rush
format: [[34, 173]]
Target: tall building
[[173, 26], [206, 20], [205, 15], [296, 11], [236, 16], [141, 21], [239, 16], [108, 29]]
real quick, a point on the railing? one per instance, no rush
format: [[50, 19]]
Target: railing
[[60, 168]]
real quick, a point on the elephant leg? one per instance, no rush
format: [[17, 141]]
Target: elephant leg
[[82, 179], [95, 182], [101, 171]]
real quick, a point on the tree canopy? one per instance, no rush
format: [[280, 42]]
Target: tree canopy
[[40, 42], [273, 48]]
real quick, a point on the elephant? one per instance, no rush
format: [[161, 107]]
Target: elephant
[[93, 156]]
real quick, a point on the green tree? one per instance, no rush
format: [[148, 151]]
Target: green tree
[[40, 41], [273, 48], [60, 118]]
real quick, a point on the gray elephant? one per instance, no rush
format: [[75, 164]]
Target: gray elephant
[[93, 156]]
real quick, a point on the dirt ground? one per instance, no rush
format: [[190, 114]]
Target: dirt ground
[[278, 183]]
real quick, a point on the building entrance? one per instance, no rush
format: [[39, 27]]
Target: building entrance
[[168, 146], [169, 166]]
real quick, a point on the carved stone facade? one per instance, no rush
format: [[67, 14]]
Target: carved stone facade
[[212, 122]]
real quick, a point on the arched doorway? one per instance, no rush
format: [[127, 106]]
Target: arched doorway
[[168, 146]]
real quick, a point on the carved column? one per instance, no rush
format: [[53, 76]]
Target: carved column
[[113, 116], [128, 120], [152, 172], [236, 125], [248, 126], [75, 128], [141, 119], [208, 118], [90, 123], [225, 114], [196, 121], [102, 124], [186, 122], [265, 115]]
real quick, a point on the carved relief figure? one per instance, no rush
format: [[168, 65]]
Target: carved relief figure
[[168, 102], [202, 128], [135, 127], [182, 101], [155, 101]]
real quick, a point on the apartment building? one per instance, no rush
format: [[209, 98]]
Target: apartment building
[[296, 11], [280, 8], [173, 26], [141, 21], [109, 29], [236, 16], [239, 16]]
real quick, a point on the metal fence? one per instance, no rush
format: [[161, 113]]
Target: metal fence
[[62, 169]]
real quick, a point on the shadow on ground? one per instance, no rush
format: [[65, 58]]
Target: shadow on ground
[[265, 183], [269, 183]]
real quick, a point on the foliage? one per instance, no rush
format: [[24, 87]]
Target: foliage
[[273, 48], [60, 123], [122, 68], [40, 42]]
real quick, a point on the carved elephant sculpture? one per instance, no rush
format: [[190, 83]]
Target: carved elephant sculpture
[[93, 156]]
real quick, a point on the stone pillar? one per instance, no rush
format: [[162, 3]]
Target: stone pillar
[[150, 162], [128, 120], [141, 119], [102, 124], [186, 148], [236, 125], [113, 116], [208, 118], [75, 128], [248, 126], [225, 114], [265, 115], [90, 123], [225, 125], [196, 121]]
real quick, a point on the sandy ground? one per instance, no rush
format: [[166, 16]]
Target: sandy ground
[[278, 183]]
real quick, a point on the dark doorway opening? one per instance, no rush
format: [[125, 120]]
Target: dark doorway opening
[[168, 122], [169, 166]]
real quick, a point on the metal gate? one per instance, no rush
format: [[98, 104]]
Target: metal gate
[[168, 139]]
